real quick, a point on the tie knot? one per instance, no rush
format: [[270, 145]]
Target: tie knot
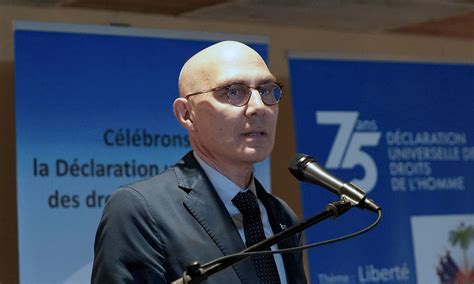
[[247, 204]]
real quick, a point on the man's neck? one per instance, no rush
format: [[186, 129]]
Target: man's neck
[[240, 174]]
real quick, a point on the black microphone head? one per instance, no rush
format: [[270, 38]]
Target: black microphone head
[[297, 164], [306, 169]]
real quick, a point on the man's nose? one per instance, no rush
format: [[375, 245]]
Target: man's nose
[[255, 106]]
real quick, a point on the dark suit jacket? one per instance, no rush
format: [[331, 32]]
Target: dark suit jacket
[[152, 230]]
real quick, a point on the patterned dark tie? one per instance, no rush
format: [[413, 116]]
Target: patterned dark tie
[[253, 228]]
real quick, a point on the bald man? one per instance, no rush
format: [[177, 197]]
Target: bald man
[[198, 210]]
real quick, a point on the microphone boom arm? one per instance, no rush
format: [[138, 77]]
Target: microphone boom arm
[[196, 273]]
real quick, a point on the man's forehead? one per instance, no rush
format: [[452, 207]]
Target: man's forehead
[[250, 76]]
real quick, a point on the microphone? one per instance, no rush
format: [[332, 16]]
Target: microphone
[[305, 168]]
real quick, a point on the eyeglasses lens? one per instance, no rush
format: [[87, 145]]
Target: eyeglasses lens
[[239, 94]]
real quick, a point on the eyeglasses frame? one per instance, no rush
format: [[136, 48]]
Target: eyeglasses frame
[[229, 85]]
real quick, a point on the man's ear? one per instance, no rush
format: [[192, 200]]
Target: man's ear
[[182, 113]]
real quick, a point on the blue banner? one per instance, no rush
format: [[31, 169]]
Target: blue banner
[[403, 132], [93, 111]]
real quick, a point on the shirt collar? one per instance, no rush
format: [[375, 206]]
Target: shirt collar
[[225, 188]]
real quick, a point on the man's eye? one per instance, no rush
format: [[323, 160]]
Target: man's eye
[[265, 91], [235, 91]]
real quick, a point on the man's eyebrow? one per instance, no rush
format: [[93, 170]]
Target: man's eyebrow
[[245, 82], [268, 80]]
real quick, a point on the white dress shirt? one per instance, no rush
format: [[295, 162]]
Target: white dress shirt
[[227, 190]]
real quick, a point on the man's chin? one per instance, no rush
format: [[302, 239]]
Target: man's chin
[[255, 155]]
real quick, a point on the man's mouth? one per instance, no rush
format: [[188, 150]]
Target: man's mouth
[[255, 134]]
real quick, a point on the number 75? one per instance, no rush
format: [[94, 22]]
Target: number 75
[[346, 151]]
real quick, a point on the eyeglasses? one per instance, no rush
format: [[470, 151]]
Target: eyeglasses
[[238, 94]]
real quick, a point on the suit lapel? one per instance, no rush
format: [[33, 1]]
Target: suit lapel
[[279, 220], [206, 207]]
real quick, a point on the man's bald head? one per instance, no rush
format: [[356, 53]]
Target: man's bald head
[[201, 71], [228, 137]]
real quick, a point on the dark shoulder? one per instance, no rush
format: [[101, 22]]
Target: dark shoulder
[[163, 180], [156, 190]]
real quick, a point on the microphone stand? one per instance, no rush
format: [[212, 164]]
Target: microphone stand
[[195, 273]]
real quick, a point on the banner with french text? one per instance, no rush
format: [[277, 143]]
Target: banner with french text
[[401, 130], [93, 112]]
